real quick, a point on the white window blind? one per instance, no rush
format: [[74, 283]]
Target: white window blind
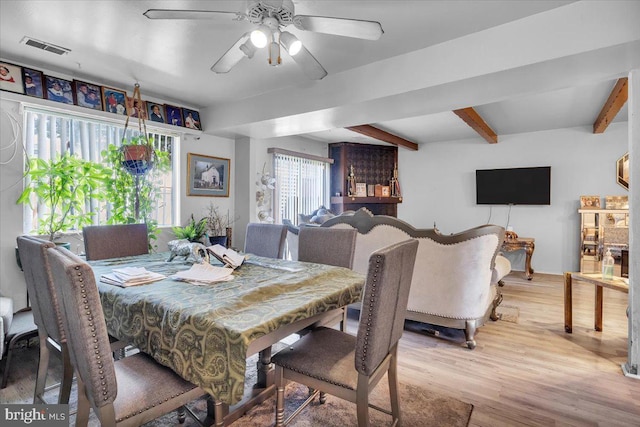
[[302, 185], [47, 134]]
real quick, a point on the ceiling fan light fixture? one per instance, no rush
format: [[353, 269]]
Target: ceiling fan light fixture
[[248, 49], [260, 36], [274, 54], [290, 43]]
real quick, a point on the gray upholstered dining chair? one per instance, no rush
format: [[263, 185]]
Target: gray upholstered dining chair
[[114, 241], [349, 367], [47, 314], [265, 240], [331, 246], [127, 392]]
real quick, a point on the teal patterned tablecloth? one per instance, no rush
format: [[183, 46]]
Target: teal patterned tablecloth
[[202, 332]]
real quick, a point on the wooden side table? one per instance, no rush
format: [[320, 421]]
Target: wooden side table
[[527, 244], [595, 279]]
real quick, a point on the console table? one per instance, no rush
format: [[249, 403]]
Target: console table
[[527, 244], [595, 279]]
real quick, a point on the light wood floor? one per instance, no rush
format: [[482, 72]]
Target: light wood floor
[[532, 373], [529, 373]]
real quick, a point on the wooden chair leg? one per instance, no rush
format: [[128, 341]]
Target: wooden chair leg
[[82, 415], [67, 375], [392, 375], [362, 401], [279, 374], [43, 368]]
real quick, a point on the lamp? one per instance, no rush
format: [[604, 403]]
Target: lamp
[[260, 36], [290, 43], [248, 48]]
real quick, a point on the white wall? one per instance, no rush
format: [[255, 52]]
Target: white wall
[[438, 183]]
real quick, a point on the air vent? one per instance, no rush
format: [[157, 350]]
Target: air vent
[[58, 50]]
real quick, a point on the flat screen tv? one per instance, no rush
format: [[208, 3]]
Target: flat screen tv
[[516, 186]]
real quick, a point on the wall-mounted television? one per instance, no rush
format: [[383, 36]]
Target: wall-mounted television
[[515, 186]]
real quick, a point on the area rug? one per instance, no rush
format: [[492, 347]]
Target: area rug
[[508, 313], [420, 408]]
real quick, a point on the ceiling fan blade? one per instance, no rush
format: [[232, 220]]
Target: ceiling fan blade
[[309, 64], [231, 56], [187, 14], [369, 30]]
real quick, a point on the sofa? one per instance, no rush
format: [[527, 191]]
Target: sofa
[[456, 278]]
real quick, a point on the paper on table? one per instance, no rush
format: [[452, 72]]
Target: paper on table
[[141, 277], [204, 273]]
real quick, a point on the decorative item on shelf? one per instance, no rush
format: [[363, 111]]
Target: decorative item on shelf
[[386, 191], [590, 202], [266, 184], [378, 190], [394, 183], [371, 190], [361, 189], [616, 202], [351, 182]]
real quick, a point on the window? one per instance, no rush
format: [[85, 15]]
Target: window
[[47, 135], [302, 184]]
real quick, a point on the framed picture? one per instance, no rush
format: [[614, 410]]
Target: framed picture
[[361, 189], [87, 95], [173, 115], [58, 90], [11, 78], [137, 108], [622, 166], [191, 119], [155, 112], [207, 176], [371, 190], [590, 202], [114, 101], [33, 82]]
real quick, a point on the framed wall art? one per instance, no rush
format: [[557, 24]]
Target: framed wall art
[[33, 82], [622, 167], [58, 90], [87, 95], [11, 78], [155, 112], [114, 101], [191, 119], [207, 176], [137, 108], [173, 115]]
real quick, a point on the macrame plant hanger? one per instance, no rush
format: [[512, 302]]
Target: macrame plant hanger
[[138, 154]]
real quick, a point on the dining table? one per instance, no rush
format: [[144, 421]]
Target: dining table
[[205, 332]]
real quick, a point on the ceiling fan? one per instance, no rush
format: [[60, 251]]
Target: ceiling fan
[[271, 17]]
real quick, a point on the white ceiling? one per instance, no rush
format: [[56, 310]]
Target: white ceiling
[[524, 65]]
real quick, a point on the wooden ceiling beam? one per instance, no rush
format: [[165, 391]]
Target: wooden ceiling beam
[[610, 109], [473, 119], [374, 132]]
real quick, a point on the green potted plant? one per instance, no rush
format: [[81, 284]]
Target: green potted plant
[[63, 184], [193, 231], [133, 192]]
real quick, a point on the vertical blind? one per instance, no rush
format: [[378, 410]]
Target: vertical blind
[[302, 185], [47, 135]]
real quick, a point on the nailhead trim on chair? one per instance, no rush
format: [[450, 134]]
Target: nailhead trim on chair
[[370, 311], [89, 314]]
